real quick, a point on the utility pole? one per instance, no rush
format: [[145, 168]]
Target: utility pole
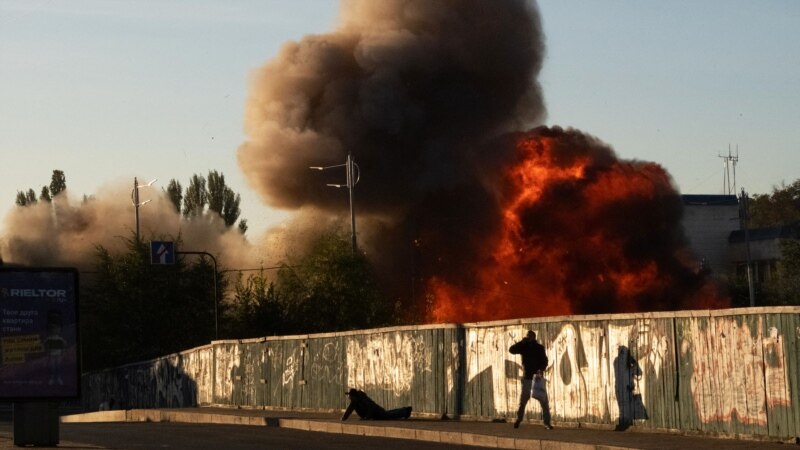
[[350, 185], [136, 203], [730, 163], [353, 175], [744, 208]]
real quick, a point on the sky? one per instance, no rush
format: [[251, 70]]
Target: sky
[[109, 90]]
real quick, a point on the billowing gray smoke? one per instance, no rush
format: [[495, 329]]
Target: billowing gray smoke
[[411, 88], [66, 232]]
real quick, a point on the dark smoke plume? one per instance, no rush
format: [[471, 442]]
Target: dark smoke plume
[[408, 87], [469, 217], [411, 89]]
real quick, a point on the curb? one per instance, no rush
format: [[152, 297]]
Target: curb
[[321, 426]]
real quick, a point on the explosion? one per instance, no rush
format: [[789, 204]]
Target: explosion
[[467, 218], [581, 233]]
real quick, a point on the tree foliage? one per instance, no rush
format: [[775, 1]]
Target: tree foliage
[[26, 198], [212, 192], [243, 226], [221, 198], [195, 199], [175, 194], [784, 288], [58, 183], [216, 191], [132, 310], [327, 289], [778, 209], [781, 207]]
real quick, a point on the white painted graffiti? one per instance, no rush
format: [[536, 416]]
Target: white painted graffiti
[[387, 361], [290, 369], [327, 364], [228, 359]]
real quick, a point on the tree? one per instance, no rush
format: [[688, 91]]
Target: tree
[[58, 183], [221, 199], [133, 310], [331, 289], [327, 289], [216, 191], [45, 196], [781, 207], [243, 226], [255, 310], [194, 201], [26, 198], [175, 194], [230, 207]]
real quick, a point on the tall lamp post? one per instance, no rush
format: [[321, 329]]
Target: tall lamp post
[[353, 175], [136, 203]]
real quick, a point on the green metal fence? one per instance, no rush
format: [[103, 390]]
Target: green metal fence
[[729, 372]]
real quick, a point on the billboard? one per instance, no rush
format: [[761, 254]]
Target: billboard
[[39, 348]]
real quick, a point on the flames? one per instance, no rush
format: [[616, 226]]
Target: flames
[[581, 232]]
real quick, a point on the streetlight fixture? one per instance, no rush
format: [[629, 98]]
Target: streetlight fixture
[[135, 200], [353, 175]]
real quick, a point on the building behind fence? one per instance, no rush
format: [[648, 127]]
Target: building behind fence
[[728, 372]]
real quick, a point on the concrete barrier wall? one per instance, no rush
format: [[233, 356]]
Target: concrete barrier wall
[[724, 372]]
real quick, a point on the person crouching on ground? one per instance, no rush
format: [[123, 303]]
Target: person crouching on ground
[[366, 408]]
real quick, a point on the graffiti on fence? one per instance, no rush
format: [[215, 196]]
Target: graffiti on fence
[[704, 372], [735, 371], [326, 364], [387, 361], [228, 360]]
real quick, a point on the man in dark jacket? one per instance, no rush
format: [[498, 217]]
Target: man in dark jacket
[[534, 361], [366, 408]]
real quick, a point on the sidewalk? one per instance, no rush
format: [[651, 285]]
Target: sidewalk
[[482, 434]]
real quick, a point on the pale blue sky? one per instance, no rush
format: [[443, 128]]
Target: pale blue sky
[[109, 90]]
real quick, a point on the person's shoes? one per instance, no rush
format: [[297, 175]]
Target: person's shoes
[[408, 412], [548, 427], [516, 424]]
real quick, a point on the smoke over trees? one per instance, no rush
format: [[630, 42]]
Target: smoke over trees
[[63, 232], [58, 183]]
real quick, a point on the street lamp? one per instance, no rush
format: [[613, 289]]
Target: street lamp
[[135, 200], [353, 175]]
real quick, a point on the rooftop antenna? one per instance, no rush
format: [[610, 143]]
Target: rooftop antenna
[[730, 163]]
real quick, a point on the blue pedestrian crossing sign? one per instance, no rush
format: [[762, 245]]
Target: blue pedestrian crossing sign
[[162, 252]]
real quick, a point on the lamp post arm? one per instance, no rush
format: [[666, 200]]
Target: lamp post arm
[[326, 167]]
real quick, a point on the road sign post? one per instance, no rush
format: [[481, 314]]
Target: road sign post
[[162, 253]]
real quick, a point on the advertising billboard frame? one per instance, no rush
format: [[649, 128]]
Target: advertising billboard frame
[[40, 348]]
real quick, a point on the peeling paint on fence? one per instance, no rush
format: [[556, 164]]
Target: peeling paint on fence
[[723, 372]]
